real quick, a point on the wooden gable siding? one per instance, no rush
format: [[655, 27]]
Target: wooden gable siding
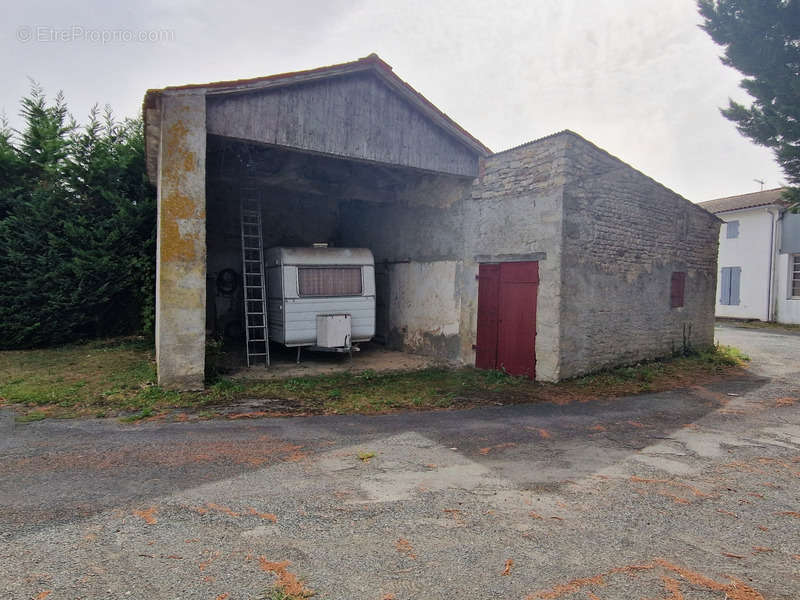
[[354, 116]]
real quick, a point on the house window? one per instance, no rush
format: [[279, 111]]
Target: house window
[[732, 230], [795, 276], [729, 285], [677, 289], [329, 281]]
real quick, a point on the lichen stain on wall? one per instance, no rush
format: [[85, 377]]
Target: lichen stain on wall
[[181, 240]]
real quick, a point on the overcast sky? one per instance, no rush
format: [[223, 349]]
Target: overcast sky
[[636, 77]]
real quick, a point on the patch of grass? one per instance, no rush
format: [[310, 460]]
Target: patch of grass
[[278, 593], [97, 378], [142, 414], [113, 377], [365, 456], [793, 327], [31, 417], [662, 374]]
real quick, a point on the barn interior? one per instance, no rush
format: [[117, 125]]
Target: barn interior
[[309, 198]]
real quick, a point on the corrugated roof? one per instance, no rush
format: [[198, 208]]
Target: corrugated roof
[[752, 200]]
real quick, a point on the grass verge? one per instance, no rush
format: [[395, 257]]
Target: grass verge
[[754, 324], [117, 378]]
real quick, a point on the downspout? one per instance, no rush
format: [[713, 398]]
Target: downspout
[[770, 270]]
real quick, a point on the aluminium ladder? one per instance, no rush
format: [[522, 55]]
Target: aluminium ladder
[[255, 288]]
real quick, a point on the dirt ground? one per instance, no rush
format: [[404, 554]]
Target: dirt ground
[[370, 357], [685, 495]]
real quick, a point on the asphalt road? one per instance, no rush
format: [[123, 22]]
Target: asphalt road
[[692, 495]]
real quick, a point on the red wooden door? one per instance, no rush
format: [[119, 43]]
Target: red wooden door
[[507, 317], [488, 307]]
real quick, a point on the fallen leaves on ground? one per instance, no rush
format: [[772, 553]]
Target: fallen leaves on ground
[[507, 568], [148, 515], [404, 547], [260, 515], [669, 482], [215, 507], [257, 452], [488, 449], [286, 581], [735, 590]]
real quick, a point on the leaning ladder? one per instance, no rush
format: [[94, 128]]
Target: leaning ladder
[[255, 287]]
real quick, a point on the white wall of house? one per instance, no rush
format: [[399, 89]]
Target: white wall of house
[[751, 251], [787, 307]]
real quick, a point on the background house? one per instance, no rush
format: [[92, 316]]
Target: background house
[[759, 257], [551, 259]]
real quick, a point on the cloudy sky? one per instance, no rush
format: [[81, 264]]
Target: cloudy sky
[[636, 77]]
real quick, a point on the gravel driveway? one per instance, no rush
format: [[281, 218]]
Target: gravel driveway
[[693, 495]]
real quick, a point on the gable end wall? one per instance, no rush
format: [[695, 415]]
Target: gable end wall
[[624, 236]]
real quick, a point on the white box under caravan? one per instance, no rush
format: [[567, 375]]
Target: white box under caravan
[[320, 296]]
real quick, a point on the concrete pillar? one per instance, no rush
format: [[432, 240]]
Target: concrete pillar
[[181, 242]]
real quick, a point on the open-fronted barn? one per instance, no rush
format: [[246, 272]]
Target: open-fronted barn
[[551, 259]]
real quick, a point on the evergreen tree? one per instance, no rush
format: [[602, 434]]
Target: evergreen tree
[[77, 227], [10, 170], [761, 39]]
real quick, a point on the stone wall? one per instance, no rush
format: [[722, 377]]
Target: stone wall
[[607, 239], [515, 213], [433, 245], [624, 236]]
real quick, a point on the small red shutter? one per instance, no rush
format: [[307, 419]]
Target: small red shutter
[[488, 306], [677, 289]]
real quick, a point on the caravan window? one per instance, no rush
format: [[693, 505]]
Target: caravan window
[[329, 281]]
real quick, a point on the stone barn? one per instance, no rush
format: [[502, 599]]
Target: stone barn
[[548, 260]]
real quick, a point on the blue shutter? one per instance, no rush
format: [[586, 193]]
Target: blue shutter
[[736, 275], [732, 229], [725, 286]]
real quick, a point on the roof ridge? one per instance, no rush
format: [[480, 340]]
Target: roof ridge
[[537, 140], [780, 188]]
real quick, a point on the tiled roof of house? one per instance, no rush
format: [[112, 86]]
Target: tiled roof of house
[[753, 200]]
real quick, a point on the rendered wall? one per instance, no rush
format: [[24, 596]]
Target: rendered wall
[[181, 243], [624, 236], [751, 251], [787, 309], [419, 245]]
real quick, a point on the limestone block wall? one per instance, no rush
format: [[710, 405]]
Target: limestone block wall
[[515, 213], [624, 236], [434, 245]]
